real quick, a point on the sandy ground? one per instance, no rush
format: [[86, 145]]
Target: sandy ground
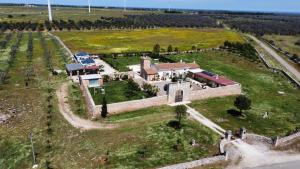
[[255, 155], [108, 70], [65, 110]]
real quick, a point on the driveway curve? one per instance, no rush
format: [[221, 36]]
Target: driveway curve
[[75, 121]]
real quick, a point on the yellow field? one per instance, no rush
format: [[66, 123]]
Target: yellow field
[[115, 41]]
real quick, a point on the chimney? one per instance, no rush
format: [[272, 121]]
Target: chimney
[[217, 77], [180, 60], [194, 61]]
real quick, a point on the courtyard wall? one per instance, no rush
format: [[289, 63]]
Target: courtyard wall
[[116, 108], [216, 92]]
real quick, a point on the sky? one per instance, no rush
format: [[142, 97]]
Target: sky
[[237, 5]]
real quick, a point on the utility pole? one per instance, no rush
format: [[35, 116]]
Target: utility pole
[[32, 148], [49, 11]]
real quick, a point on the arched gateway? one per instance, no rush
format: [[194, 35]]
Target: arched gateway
[[179, 96]]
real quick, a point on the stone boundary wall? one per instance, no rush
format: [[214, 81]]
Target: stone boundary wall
[[259, 138], [116, 108], [196, 163], [277, 70], [216, 92], [88, 100], [288, 138]]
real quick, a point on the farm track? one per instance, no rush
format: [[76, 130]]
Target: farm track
[[65, 110]]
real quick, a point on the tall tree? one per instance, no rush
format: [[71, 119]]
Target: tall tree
[[242, 103], [104, 112], [180, 113], [170, 48], [156, 49]]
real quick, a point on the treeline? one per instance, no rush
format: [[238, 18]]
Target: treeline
[[128, 22], [244, 49], [4, 26], [265, 24]]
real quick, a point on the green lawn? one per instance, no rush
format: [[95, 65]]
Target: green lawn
[[114, 93], [259, 84], [121, 63], [115, 41]]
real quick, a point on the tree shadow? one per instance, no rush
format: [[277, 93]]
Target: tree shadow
[[234, 112], [174, 124]]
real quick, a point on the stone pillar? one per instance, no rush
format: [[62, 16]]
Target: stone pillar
[[243, 133], [228, 135], [276, 141]]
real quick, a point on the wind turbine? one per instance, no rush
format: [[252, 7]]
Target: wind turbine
[[49, 11], [89, 2]]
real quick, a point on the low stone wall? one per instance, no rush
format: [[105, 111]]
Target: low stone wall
[[116, 108], [216, 92], [259, 138], [287, 138], [89, 100], [197, 163]]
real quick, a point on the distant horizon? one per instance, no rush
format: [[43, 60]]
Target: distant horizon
[[149, 8], [275, 6]]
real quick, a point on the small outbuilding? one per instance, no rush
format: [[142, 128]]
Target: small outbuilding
[[93, 80]]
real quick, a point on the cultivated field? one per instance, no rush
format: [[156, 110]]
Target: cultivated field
[[116, 41], [260, 84], [40, 14]]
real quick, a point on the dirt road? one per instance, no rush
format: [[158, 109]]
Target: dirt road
[[284, 63], [65, 110]]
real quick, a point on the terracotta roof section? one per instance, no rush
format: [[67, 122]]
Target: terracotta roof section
[[173, 66], [217, 79], [151, 71]]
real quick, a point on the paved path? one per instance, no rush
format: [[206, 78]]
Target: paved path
[[205, 121], [108, 70], [284, 63], [65, 110], [287, 165]]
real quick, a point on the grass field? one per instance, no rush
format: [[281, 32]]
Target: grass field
[[121, 63], [115, 91], [259, 84], [116, 41], [40, 14], [142, 140], [287, 43]]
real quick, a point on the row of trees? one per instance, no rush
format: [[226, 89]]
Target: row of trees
[[46, 53], [265, 24], [5, 41], [129, 21], [244, 49]]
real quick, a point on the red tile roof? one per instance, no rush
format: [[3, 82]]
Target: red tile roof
[[151, 71], [172, 66], [217, 79], [90, 67]]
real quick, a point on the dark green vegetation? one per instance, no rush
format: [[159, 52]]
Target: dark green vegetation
[[117, 91], [244, 49], [259, 84]]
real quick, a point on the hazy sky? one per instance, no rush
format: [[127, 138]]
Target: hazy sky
[[249, 5]]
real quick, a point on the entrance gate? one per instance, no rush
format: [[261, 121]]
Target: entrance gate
[[179, 96]]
